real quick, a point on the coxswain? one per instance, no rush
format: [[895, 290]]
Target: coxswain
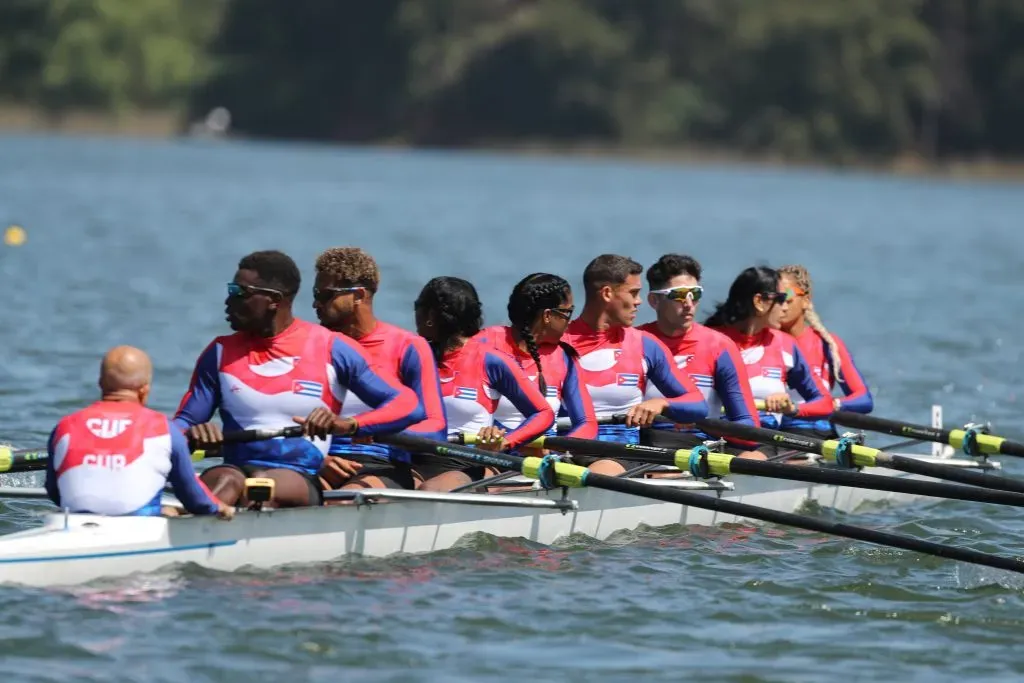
[[275, 371], [474, 378], [751, 317], [539, 310], [825, 352], [618, 361], [347, 279], [115, 456], [710, 358]]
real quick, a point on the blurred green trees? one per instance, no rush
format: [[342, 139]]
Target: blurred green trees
[[830, 79]]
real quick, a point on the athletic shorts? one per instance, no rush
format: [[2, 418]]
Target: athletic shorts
[[429, 465], [394, 475], [315, 492]]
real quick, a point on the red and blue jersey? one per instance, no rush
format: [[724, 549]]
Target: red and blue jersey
[[475, 377], [398, 353], [775, 365], [564, 387], [262, 383], [618, 364], [713, 362], [114, 458], [856, 395]]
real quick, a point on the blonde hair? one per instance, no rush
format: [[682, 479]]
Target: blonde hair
[[803, 281]]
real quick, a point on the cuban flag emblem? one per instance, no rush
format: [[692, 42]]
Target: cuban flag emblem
[[772, 373], [465, 393], [683, 359], [627, 379], [304, 387], [703, 381]]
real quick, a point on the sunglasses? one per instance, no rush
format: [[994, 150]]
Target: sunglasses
[[563, 313], [246, 291], [777, 297], [686, 292], [794, 292], [328, 293]]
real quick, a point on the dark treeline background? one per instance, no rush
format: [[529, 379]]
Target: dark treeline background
[[840, 80]]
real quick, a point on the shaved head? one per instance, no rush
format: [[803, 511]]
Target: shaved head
[[125, 368]]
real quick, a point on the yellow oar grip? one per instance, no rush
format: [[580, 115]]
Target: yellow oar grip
[[862, 455], [566, 474], [718, 463], [986, 442]]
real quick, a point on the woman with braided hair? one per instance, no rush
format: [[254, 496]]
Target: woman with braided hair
[[751, 317], [474, 377], [539, 310], [825, 352]]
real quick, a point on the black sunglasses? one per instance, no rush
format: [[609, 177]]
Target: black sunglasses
[[777, 297], [246, 291], [564, 313], [328, 293]]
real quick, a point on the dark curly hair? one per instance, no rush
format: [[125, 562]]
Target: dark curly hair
[[530, 297], [456, 307], [275, 270]]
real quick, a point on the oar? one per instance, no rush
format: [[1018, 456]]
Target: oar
[[971, 441], [849, 454], [703, 463], [29, 460], [553, 473]]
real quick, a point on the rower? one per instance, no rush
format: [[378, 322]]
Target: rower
[[751, 316], [474, 377], [618, 361], [347, 279], [825, 352], [115, 456], [710, 358], [271, 372], [539, 310]]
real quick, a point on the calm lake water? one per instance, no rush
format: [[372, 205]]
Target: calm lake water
[[132, 242]]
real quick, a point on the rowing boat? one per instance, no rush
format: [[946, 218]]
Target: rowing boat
[[76, 548]]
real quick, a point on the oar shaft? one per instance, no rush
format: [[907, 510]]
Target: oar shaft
[[730, 507], [12, 461], [957, 474], [573, 475], [985, 443], [721, 465]]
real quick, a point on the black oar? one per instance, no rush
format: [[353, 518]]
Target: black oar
[[28, 460], [849, 454], [554, 473], [703, 463], [971, 441]]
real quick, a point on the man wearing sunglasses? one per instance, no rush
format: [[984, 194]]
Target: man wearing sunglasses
[[711, 359], [347, 279], [273, 372], [618, 362]]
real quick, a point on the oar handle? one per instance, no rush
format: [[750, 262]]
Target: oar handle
[[247, 435]]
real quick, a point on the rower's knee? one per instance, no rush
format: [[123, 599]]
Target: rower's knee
[[753, 455], [607, 467]]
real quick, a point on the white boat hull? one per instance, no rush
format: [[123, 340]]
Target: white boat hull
[[73, 549]]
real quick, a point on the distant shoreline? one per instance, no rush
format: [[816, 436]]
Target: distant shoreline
[[168, 125]]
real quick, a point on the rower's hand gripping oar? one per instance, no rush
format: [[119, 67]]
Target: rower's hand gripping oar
[[31, 460], [972, 440], [554, 473], [849, 454]]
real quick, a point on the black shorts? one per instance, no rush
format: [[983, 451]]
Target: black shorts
[[394, 475], [315, 492]]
